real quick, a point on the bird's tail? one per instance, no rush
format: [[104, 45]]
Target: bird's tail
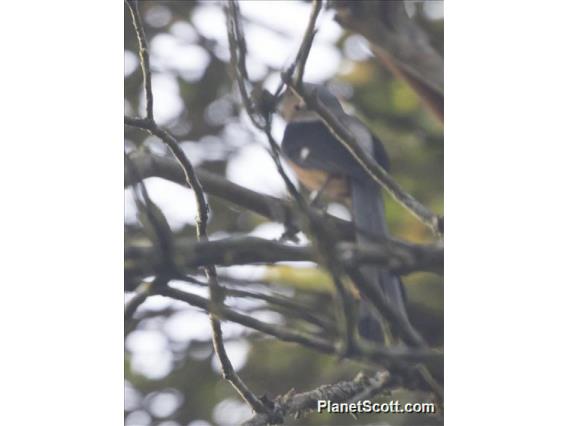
[[370, 221]]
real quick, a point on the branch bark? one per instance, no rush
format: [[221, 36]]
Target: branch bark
[[373, 354], [193, 182], [276, 209], [292, 404], [399, 257]]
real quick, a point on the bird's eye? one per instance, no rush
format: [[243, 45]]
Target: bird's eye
[[297, 107]]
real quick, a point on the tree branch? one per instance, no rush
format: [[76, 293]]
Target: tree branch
[[315, 227], [202, 215], [144, 58], [273, 208], [142, 292], [309, 34], [401, 258], [278, 302], [374, 354], [296, 405]]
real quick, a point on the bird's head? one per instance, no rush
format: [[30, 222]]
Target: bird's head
[[292, 108]]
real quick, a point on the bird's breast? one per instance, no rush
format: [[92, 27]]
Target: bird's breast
[[337, 188]]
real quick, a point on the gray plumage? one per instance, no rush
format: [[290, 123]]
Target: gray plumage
[[309, 145]]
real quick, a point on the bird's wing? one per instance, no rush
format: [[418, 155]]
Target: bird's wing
[[311, 145]]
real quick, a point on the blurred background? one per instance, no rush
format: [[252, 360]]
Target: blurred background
[[172, 377]]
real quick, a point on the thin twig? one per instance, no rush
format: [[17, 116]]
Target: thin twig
[[201, 220], [282, 333], [273, 208], [293, 404], [377, 355], [144, 57], [379, 175], [140, 295], [163, 241], [160, 229], [316, 228], [309, 34], [277, 302], [276, 209], [289, 305], [237, 47]]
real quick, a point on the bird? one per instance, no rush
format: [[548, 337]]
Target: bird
[[323, 164]]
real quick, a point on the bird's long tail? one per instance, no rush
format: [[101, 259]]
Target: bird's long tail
[[370, 221]]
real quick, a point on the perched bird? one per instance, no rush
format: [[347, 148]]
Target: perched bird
[[321, 162]]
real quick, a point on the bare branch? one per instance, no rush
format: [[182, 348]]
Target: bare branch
[[296, 405], [277, 302], [401, 258], [289, 305], [152, 218], [271, 207], [309, 34], [238, 49], [278, 210], [142, 292], [374, 354], [144, 58], [202, 214], [337, 258], [281, 333], [317, 228]]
